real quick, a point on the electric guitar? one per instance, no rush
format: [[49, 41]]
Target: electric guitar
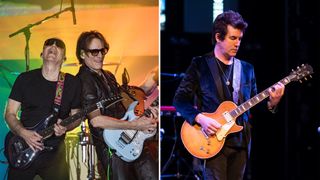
[[18, 152], [204, 146], [129, 143]]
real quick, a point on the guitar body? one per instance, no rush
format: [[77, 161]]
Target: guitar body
[[127, 143], [140, 96], [18, 152], [198, 143]]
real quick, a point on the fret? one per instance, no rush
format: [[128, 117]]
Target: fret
[[45, 133], [251, 102]]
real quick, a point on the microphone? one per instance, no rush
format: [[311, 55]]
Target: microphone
[[125, 78], [73, 12]]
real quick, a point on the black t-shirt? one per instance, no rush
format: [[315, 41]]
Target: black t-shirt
[[36, 95]]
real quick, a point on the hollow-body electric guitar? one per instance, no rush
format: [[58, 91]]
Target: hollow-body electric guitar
[[129, 143], [18, 152], [203, 146]]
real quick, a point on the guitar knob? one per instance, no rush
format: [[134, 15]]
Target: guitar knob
[[135, 152]]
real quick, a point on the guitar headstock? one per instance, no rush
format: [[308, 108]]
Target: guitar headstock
[[301, 73]]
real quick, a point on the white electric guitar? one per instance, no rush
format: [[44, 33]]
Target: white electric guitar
[[129, 143]]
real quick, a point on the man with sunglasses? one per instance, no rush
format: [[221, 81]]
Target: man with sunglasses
[[98, 84], [34, 92]]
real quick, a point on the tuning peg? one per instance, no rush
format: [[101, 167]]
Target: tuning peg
[[305, 78], [300, 81], [310, 76]]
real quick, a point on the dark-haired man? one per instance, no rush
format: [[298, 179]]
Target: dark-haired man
[[217, 77]]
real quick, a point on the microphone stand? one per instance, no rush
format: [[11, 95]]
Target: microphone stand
[[26, 31], [86, 143]]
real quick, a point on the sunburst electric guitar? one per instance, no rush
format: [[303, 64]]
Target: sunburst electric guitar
[[202, 146]]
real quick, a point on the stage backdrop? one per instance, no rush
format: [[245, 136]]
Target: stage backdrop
[[130, 28]]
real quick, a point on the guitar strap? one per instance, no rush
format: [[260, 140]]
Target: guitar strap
[[236, 77], [58, 96], [236, 80]]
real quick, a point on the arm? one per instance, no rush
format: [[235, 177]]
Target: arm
[[107, 122], [185, 94], [151, 81], [11, 117], [32, 138]]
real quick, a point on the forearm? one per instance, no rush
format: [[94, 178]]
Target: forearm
[[14, 124], [107, 122]]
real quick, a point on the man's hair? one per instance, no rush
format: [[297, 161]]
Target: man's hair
[[224, 19], [84, 41]]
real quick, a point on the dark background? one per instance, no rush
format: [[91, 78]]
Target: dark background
[[281, 35]]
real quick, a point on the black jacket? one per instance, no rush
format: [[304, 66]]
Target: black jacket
[[96, 88]]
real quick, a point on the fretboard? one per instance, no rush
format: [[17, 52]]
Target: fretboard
[[255, 100], [47, 132]]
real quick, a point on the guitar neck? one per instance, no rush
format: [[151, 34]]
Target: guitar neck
[[255, 100], [47, 132]]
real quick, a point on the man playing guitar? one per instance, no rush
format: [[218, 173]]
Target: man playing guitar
[[212, 79], [45, 96]]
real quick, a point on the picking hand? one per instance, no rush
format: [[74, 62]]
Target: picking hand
[[33, 139], [145, 123], [209, 125]]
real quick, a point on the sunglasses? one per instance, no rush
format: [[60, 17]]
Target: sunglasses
[[95, 52], [59, 43]]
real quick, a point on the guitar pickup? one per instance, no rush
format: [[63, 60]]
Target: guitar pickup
[[227, 116], [223, 130], [125, 138]]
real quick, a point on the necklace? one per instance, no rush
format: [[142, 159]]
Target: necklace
[[224, 75]]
